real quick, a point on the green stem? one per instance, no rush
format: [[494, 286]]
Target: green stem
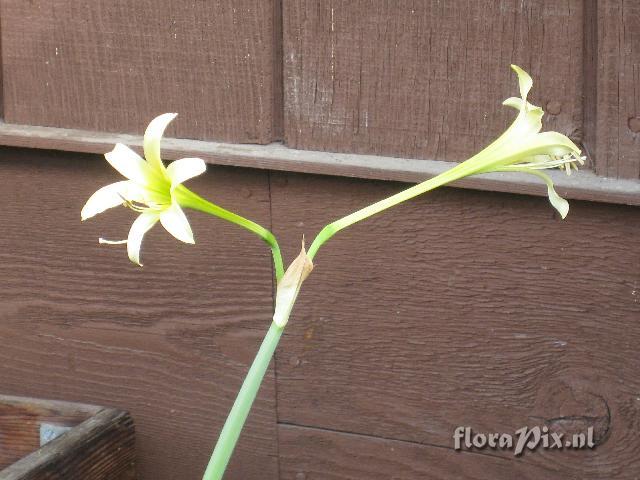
[[192, 200], [330, 230], [241, 407]]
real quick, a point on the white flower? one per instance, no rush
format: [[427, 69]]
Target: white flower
[[149, 190]]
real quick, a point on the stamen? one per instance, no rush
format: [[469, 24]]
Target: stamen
[[565, 162], [141, 207]]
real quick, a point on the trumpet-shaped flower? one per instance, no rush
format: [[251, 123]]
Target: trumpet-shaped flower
[[523, 148], [150, 189]]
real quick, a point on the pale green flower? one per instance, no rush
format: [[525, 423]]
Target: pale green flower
[[149, 190], [523, 148]]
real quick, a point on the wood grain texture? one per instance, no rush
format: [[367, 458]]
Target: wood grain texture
[[618, 96], [170, 342], [102, 447], [425, 79], [1, 68], [114, 66], [464, 308], [315, 454]]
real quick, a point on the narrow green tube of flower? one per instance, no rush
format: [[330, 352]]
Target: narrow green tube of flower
[[189, 199], [521, 148]]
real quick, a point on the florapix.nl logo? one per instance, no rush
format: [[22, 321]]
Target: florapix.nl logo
[[525, 438]]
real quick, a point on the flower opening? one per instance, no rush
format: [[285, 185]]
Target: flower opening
[[151, 189]]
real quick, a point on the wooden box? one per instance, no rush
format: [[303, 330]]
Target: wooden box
[[51, 440]]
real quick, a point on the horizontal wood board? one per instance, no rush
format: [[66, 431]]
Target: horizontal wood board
[[315, 454], [583, 185], [169, 342], [425, 79], [112, 66], [464, 308]]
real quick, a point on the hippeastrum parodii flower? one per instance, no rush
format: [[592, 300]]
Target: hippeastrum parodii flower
[[150, 189], [523, 148]]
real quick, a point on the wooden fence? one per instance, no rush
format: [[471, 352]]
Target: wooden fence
[[471, 306]]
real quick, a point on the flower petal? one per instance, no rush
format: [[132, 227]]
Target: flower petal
[[559, 203], [524, 80], [140, 226], [176, 223], [152, 138], [513, 102], [128, 163], [529, 122], [111, 242], [184, 169], [111, 196], [558, 143], [517, 102]]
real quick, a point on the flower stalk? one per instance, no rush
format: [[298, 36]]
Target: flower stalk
[[242, 405], [287, 293]]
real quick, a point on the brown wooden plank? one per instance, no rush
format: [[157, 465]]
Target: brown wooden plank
[[618, 96], [464, 308], [20, 420], [1, 71], [310, 454], [102, 447], [590, 81], [425, 79], [170, 342], [113, 67], [583, 185]]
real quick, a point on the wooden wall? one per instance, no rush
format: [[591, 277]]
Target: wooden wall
[[461, 308], [109, 66], [417, 79]]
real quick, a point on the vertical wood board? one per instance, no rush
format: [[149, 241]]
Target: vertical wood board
[[112, 66], [425, 79], [618, 89]]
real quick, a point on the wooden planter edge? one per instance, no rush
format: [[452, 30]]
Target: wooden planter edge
[[104, 442]]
